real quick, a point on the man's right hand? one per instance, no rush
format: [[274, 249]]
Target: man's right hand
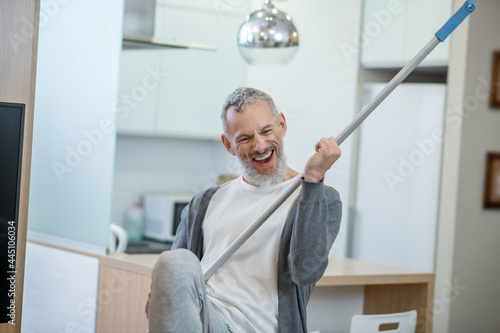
[[327, 152]]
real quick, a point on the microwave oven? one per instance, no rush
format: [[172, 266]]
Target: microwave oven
[[162, 215]]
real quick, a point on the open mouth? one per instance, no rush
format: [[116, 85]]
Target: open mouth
[[264, 159]]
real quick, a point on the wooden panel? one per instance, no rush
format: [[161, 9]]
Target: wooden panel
[[381, 299], [18, 53], [122, 297]]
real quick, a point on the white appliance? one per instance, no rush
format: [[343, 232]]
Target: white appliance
[[396, 213], [162, 214]]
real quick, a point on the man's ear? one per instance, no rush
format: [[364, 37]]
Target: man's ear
[[283, 123], [227, 144]]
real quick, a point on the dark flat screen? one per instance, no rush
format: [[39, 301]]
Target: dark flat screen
[[11, 141], [177, 215]]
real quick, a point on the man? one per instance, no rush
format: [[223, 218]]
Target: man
[[266, 284]]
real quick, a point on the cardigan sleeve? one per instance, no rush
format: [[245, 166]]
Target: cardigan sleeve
[[316, 225]]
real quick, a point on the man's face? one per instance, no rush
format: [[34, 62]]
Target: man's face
[[255, 136]]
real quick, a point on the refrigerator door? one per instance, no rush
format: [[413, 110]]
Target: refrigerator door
[[398, 177]]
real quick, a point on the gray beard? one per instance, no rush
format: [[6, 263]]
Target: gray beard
[[265, 180]]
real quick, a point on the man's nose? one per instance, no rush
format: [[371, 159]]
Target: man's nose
[[259, 143]]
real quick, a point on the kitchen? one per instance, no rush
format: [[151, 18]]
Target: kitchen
[[164, 144]]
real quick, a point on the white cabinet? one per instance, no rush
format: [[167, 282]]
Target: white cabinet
[[198, 81], [60, 290], [192, 84], [395, 30], [138, 91]]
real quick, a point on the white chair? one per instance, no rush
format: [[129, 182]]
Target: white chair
[[117, 239], [402, 322]]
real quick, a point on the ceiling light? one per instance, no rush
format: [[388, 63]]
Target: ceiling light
[[268, 37]]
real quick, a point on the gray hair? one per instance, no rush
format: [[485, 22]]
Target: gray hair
[[241, 97]]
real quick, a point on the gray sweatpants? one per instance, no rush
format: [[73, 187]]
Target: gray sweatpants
[[178, 302]]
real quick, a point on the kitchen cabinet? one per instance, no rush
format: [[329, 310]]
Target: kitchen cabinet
[[184, 96], [18, 65], [136, 108], [60, 289], [395, 30]]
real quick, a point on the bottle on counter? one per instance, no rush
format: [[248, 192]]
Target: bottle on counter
[[134, 222]]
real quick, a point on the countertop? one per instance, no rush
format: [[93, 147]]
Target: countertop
[[340, 271]]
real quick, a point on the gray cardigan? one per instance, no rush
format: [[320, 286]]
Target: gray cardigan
[[308, 235]]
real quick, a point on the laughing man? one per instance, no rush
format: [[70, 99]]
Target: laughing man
[[266, 284]]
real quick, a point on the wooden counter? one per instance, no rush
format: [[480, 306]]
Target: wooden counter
[[125, 281]]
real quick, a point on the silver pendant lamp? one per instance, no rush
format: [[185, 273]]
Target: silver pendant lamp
[[268, 37]]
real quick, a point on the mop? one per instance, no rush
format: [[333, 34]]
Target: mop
[[457, 18]]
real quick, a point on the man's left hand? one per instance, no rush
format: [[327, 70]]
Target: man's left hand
[[327, 152]]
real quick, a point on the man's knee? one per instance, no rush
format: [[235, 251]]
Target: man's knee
[[177, 293], [180, 261]]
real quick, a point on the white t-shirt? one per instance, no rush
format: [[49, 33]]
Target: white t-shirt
[[244, 290]]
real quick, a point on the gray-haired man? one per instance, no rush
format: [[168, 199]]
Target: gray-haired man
[[266, 284]]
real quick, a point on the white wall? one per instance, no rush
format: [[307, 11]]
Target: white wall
[[73, 131], [475, 261], [317, 90], [467, 295]]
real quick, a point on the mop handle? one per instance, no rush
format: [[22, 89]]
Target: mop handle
[[457, 18], [403, 73]]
